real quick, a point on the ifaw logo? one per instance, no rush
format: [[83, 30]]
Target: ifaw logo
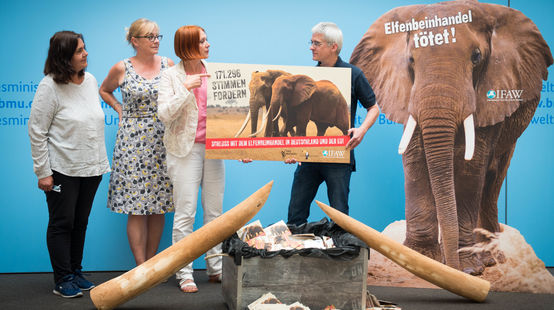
[[504, 95], [333, 154]]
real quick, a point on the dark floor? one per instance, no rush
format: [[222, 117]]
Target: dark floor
[[34, 291]]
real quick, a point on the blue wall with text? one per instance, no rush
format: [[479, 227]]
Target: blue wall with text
[[256, 32]]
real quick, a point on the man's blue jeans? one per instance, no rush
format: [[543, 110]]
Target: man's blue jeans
[[307, 178]]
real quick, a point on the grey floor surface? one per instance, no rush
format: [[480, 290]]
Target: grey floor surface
[[34, 291]]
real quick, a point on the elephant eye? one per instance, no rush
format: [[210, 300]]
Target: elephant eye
[[476, 56]]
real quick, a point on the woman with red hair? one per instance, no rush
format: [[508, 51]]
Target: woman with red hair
[[182, 108]]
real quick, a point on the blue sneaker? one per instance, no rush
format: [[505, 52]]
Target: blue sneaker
[[81, 282], [67, 288]]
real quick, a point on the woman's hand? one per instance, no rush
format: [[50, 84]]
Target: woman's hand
[[193, 81], [46, 183], [291, 161]]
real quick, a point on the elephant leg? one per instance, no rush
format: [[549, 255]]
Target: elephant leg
[[422, 232], [301, 126], [302, 114], [469, 180], [321, 128], [473, 181], [272, 128], [288, 126], [488, 213]]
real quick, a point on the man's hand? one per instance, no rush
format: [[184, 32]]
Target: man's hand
[[359, 133], [357, 137]]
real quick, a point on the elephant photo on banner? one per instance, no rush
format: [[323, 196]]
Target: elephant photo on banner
[[298, 99], [260, 96], [465, 79]]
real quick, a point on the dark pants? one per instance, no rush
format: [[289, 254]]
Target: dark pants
[[68, 218], [307, 178]]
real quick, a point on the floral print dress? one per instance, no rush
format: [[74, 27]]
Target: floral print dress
[[139, 183]]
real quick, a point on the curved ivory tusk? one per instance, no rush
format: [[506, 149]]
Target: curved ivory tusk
[[243, 125], [469, 129], [451, 279], [116, 291], [407, 135], [264, 123]]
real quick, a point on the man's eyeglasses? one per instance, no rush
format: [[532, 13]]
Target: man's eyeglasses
[[317, 43], [152, 38]]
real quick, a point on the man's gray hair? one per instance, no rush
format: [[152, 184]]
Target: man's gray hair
[[331, 32]]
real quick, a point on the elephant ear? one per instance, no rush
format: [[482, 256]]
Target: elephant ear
[[384, 59], [303, 89], [518, 61]]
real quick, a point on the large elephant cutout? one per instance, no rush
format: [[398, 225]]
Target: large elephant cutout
[[260, 96], [297, 99], [457, 143]]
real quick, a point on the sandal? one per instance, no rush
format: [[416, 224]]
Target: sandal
[[188, 286], [215, 278]]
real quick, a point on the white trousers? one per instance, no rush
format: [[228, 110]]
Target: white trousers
[[188, 174]]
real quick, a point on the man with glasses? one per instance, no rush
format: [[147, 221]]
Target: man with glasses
[[325, 45]]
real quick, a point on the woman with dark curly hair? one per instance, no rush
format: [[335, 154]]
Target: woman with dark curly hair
[[66, 128]]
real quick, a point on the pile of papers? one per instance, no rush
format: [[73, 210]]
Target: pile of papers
[[270, 302], [278, 237]]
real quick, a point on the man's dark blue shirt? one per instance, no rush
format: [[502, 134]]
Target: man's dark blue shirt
[[360, 91]]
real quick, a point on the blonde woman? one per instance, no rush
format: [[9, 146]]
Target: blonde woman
[[139, 183]]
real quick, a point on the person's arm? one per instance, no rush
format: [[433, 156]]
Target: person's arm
[[110, 84], [366, 96], [42, 113], [359, 133], [174, 95]]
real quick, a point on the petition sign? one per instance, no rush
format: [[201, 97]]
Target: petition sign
[[270, 112]]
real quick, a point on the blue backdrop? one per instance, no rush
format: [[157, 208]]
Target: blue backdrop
[[240, 32]]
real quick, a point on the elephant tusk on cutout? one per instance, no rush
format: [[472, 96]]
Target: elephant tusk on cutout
[[243, 125], [469, 129], [264, 122], [407, 135]]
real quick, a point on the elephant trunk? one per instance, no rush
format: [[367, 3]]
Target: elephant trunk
[[438, 134], [272, 128], [469, 130], [276, 118], [262, 127]]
